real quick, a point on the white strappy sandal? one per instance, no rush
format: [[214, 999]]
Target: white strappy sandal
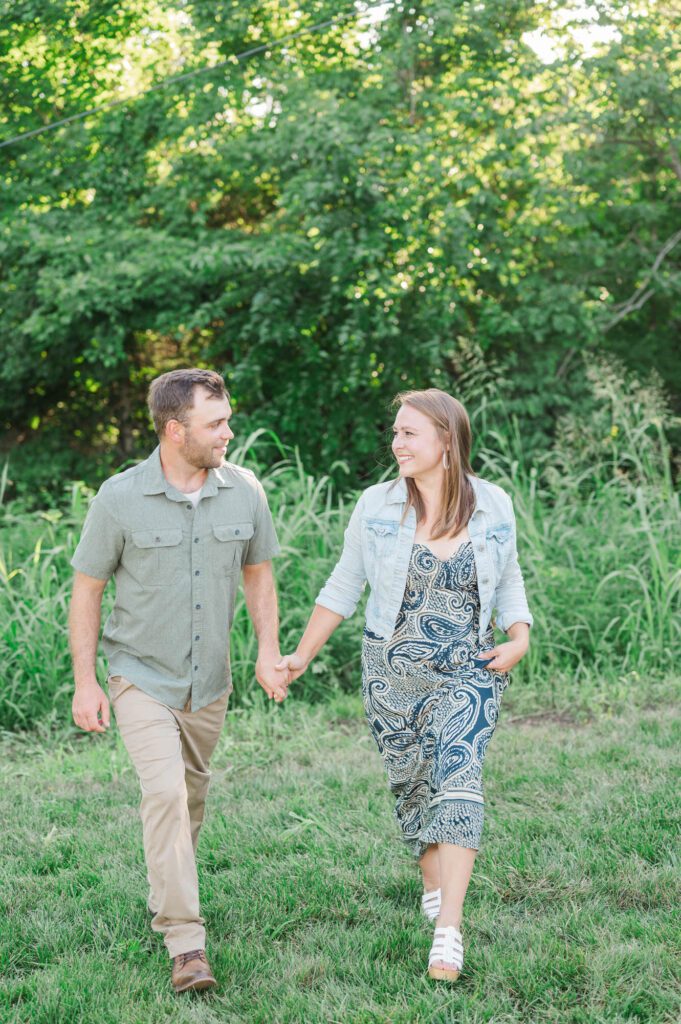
[[447, 948], [430, 904]]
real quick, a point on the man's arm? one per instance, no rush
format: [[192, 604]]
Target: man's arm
[[261, 601], [90, 704]]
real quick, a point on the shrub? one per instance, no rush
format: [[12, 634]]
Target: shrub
[[599, 528]]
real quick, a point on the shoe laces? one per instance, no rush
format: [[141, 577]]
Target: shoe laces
[[193, 954]]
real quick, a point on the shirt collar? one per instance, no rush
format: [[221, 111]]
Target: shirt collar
[[156, 483]]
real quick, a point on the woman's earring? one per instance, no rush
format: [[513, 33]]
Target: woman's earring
[[445, 460]]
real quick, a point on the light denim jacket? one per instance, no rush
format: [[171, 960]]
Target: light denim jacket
[[378, 547]]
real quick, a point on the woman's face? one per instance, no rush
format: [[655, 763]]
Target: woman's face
[[416, 443]]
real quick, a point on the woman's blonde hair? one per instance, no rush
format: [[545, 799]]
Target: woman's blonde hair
[[454, 428]]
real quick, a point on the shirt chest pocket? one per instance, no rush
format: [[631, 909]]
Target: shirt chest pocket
[[381, 537], [228, 545], [498, 539], [156, 558]]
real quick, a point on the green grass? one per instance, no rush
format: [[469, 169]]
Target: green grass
[[310, 900]]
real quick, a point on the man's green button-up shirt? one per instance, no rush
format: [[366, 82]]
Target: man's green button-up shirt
[[177, 570]]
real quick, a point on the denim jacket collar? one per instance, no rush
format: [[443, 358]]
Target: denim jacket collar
[[378, 552], [397, 494]]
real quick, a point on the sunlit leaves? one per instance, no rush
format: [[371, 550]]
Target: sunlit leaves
[[331, 220]]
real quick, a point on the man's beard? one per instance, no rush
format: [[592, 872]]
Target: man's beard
[[200, 456]]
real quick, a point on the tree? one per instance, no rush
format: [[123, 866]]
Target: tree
[[330, 221]]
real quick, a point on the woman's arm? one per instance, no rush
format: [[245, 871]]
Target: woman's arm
[[510, 598], [343, 589], [513, 614], [320, 626], [508, 654], [336, 601]]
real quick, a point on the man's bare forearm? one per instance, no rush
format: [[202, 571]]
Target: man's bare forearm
[[261, 602], [84, 622]]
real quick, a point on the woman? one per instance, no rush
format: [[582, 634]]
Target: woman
[[438, 549]]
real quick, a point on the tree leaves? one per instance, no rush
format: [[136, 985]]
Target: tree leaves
[[326, 223]]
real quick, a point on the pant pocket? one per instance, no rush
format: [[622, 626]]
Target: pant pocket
[[117, 686]]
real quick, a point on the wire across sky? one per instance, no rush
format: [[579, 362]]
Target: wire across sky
[[275, 44]]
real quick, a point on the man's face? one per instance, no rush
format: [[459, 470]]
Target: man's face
[[207, 432]]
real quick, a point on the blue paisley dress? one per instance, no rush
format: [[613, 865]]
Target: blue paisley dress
[[431, 710]]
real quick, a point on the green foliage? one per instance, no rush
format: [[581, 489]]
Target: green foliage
[[599, 528], [333, 221]]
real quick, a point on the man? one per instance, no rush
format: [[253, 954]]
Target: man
[[176, 532]]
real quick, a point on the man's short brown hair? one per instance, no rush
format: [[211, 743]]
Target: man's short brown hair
[[171, 395]]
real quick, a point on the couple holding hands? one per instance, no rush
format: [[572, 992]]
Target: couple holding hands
[[179, 531]]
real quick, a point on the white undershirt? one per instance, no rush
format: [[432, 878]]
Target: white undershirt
[[193, 496]]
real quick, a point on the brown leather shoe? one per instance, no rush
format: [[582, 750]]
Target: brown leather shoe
[[191, 972]]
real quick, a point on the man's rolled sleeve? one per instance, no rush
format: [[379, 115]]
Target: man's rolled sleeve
[[264, 544], [101, 542]]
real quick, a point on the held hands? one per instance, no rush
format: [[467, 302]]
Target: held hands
[[505, 656], [294, 664], [90, 708], [273, 678], [275, 674]]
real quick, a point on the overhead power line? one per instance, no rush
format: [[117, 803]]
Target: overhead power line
[[275, 44]]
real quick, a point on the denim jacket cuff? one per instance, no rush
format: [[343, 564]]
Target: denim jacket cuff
[[337, 605], [505, 620]]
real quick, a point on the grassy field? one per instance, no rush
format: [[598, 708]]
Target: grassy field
[[310, 901]]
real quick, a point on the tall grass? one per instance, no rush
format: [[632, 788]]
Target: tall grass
[[599, 526], [35, 580], [599, 534]]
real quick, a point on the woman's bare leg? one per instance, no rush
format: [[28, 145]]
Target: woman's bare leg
[[456, 867], [429, 862]]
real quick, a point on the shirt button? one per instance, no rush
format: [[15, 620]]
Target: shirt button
[[196, 540], [190, 507], [197, 572], [198, 607], [481, 547], [237, 532], [197, 637], [157, 539], [485, 579], [196, 668]]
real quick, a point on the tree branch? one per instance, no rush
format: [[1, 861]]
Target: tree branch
[[643, 292]]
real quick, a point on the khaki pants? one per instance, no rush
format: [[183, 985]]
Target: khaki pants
[[170, 750]]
